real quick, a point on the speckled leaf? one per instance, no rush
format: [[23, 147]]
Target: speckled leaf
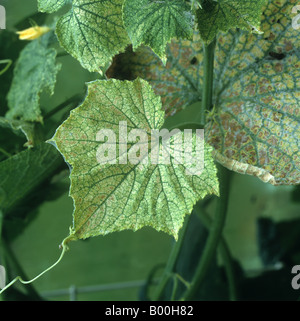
[[93, 32], [215, 16], [254, 126], [115, 197], [51, 5], [155, 23], [179, 83], [35, 71]]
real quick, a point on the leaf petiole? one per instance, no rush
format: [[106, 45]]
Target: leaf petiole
[[19, 278], [8, 63], [207, 91]]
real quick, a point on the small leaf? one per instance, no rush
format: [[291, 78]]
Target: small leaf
[[215, 16], [35, 72], [155, 23], [115, 197], [92, 31]]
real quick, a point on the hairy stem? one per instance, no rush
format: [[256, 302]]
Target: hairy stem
[[213, 238]]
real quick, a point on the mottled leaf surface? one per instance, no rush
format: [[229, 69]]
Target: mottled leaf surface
[[254, 126], [155, 23], [179, 82], [215, 16], [51, 5], [92, 31], [35, 71], [115, 197]]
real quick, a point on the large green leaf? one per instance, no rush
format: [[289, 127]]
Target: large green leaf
[[215, 16], [115, 197], [155, 23], [92, 31], [35, 72], [254, 126]]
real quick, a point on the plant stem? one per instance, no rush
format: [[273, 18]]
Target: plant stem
[[175, 286], [8, 62], [214, 236], [172, 261], [19, 278], [3, 151], [207, 91], [19, 270], [228, 265], [224, 253]]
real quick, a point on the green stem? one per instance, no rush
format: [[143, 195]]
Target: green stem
[[175, 286], [213, 238], [19, 270], [228, 265], [4, 152], [20, 278], [171, 262], [224, 253], [8, 62], [207, 91]]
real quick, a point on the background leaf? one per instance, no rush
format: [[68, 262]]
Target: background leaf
[[35, 71], [26, 170], [215, 16], [256, 127], [10, 47], [115, 197], [179, 83], [155, 23]]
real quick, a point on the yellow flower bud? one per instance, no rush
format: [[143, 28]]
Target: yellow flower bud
[[32, 33]]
